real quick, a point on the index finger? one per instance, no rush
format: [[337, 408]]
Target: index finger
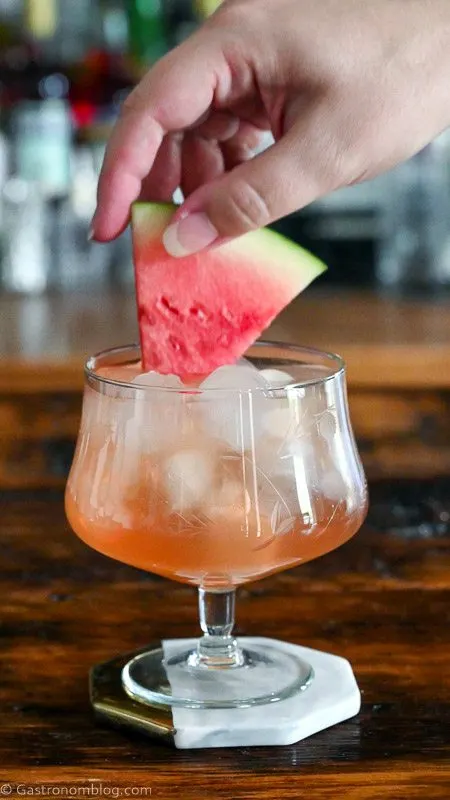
[[172, 96]]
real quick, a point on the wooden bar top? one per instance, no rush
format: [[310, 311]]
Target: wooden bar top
[[386, 342], [382, 601]]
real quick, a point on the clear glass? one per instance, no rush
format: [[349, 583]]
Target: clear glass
[[215, 488]]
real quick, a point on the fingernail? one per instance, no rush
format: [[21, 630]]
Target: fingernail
[[266, 140], [260, 143], [90, 235], [189, 235]]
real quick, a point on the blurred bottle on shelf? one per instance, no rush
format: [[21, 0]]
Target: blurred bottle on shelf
[[148, 35], [182, 19], [41, 20], [205, 8], [83, 264], [66, 67], [64, 70], [34, 196], [26, 238], [42, 140], [5, 167], [414, 244], [85, 41], [155, 26]]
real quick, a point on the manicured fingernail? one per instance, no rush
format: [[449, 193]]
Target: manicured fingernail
[[189, 235], [261, 144], [266, 140]]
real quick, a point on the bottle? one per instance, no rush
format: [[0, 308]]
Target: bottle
[[414, 244], [4, 172], [147, 31], [182, 19], [26, 248], [62, 30], [42, 139], [205, 8], [41, 19]]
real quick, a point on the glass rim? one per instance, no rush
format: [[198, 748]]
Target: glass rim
[[334, 358]]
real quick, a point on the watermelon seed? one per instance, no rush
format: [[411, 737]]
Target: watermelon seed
[[167, 306], [177, 345], [227, 315], [199, 313]]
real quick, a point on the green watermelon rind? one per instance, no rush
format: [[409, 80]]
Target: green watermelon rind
[[271, 247]]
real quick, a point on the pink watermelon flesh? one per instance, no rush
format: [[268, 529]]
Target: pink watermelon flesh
[[203, 311]]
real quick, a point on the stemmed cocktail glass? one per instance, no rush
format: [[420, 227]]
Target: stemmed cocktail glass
[[254, 472]]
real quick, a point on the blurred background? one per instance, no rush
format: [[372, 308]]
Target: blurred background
[[66, 67]]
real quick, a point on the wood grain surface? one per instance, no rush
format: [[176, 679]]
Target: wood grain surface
[[382, 600], [386, 342]]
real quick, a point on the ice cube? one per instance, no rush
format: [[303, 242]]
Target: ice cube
[[235, 376], [333, 486], [301, 447], [234, 414], [156, 416], [189, 478], [277, 378], [287, 475], [277, 495], [245, 362], [230, 501], [327, 425], [278, 421], [281, 415], [158, 381]]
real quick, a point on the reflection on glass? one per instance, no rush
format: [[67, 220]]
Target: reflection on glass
[[216, 487]]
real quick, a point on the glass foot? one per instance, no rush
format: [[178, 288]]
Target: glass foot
[[174, 676]]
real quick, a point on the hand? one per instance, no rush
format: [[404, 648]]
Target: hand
[[348, 89]]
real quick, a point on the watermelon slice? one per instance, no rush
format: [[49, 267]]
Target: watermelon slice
[[203, 311]]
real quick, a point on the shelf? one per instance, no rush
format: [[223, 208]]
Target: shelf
[[386, 342]]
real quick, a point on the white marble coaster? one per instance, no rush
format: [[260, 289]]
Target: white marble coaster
[[332, 698]]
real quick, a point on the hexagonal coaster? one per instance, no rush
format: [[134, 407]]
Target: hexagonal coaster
[[332, 698]]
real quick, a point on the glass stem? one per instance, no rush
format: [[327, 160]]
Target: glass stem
[[217, 648]]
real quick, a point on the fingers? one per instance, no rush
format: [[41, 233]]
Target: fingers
[[243, 145], [133, 145], [202, 163], [176, 93], [255, 193], [165, 176], [205, 159], [219, 125]]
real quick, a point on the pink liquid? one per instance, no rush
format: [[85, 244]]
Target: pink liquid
[[118, 501]]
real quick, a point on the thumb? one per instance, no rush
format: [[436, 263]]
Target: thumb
[[257, 192]]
